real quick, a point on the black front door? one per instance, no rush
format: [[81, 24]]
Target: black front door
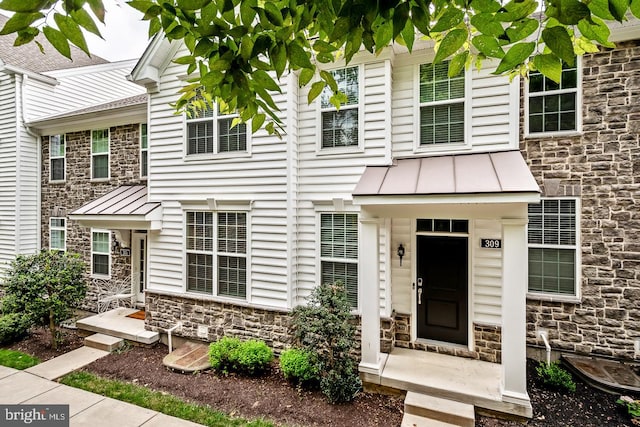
[[442, 288]]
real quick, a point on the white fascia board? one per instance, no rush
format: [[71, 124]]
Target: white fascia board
[[153, 61], [97, 119], [117, 222], [10, 69], [447, 199], [128, 64]]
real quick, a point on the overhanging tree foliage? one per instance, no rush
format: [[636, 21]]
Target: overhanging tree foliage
[[234, 44]]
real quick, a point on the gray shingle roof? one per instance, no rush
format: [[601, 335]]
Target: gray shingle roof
[[108, 106], [30, 58]]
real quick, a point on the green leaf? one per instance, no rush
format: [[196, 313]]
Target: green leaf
[[420, 19], [265, 81], [400, 18], [522, 29], [596, 30], [558, 40], [515, 56], [516, 10], [212, 78], [305, 76], [25, 36], [154, 26], [486, 23], [177, 33], [246, 47], [20, 21], [279, 59], [298, 56], [203, 47], [409, 35], [97, 7], [23, 6], [315, 91], [328, 78], [457, 63], [58, 41], [486, 6], [257, 122], [274, 15], [450, 44], [354, 42], [141, 5], [185, 60], [635, 8], [600, 8], [549, 65], [219, 64], [383, 35], [618, 8], [71, 31], [488, 46], [451, 17], [322, 46], [568, 12], [247, 11], [192, 4], [83, 19], [340, 29]]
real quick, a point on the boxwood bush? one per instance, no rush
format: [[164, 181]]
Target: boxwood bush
[[252, 357], [13, 327], [300, 367]]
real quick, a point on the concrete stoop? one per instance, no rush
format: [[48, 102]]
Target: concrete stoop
[[422, 410], [103, 342]]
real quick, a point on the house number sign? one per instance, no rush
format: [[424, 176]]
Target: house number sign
[[491, 243]]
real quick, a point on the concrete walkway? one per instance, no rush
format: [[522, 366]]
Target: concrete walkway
[[35, 386]]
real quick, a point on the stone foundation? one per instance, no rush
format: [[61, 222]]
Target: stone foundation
[[487, 341]]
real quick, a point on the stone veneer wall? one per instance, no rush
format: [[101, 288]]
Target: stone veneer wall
[[61, 198], [487, 341], [601, 167]]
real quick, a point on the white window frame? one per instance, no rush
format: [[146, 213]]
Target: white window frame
[[215, 118], [356, 148], [441, 147], [144, 151], [63, 138], [94, 155], [234, 207], [108, 253], [62, 228], [577, 90], [320, 258], [551, 296]]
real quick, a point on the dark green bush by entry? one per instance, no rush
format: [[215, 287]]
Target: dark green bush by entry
[[553, 376], [13, 326], [299, 366], [251, 357]]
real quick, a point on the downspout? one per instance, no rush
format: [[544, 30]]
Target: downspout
[[19, 115], [545, 339]]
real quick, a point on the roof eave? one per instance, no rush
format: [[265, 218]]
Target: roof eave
[[149, 221]]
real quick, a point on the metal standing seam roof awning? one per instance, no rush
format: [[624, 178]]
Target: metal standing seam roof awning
[[500, 177], [126, 207]]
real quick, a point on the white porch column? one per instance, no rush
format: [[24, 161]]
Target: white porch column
[[514, 321], [369, 279]]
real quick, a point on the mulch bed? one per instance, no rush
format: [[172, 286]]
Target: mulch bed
[[271, 397]]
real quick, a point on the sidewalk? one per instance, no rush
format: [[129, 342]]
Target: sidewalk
[[85, 408]]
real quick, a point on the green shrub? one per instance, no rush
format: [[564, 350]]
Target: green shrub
[[250, 357], [222, 354], [17, 359], [633, 407], [555, 376], [299, 366], [13, 327]]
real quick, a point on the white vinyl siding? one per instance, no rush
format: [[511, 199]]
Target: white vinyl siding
[[57, 157], [100, 154], [340, 127], [100, 253], [210, 132], [339, 252], [144, 151], [58, 234], [552, 232]]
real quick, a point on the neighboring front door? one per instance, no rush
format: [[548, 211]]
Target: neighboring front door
[[139, 264], [442, 288]]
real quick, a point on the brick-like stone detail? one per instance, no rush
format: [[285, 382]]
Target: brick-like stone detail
[[487, 341], [59, 199], [387, 334], [601, 167]]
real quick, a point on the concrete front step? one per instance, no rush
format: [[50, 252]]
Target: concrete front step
[[66, 363], [438, 409], [411, 420], [103, 342], [116, 323]]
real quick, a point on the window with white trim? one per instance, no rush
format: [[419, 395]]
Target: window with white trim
[[339, 251], [58, 234], [144, 151], [553, 107], [340, 126], [211, 132], [227, 257], [57, 160], [441, 105], [100, 252], [100, 154], [552, 236]]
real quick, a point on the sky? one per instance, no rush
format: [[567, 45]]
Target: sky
[[125, 34]]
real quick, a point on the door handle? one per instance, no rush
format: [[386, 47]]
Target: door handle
[[419, 296]]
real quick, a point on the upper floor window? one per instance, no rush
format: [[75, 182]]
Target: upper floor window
[[552, 236], [100, 252], [210, 132], [340, 127], [57, 234], [339, 251], [553, 107], [442, 106], [223, 252], [100, 154], [57, 157], [144, 151]]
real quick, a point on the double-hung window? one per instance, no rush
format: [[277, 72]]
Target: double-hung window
[[340, 127], [553, 107], [144, 151], [223, 252], [210, 132], [442, 106], [339, 251], [553, 235], [57, 157], [57, 234], [100, 252], [100, 154]]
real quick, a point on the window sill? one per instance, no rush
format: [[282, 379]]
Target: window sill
[[57, 181], [570, 299], [336, 151], [442, 148], [559, 134], [208, 157], [100, 180], [101, 276], [222, 299]]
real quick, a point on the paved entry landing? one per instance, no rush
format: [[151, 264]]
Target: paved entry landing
[[190, 357], [116, 323]]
